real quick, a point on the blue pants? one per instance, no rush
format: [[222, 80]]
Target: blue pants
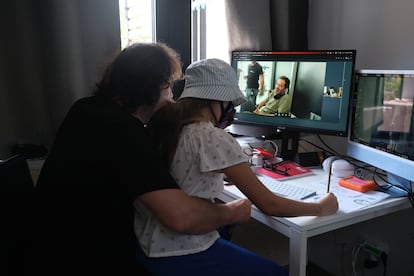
[[222, 258], [251, 95]]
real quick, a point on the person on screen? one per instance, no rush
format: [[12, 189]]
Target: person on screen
[[254, 82], [199, 153], [278, 101], [103, 159]]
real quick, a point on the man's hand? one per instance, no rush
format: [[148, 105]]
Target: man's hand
[[257, 111], [242, 209], [193, 215]]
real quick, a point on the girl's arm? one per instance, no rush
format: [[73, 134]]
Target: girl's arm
[[245, 179]]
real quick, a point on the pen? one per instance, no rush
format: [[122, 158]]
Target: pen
[[329, 178], [308, 196]]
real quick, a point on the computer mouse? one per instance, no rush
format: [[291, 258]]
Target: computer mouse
[[339, 167]]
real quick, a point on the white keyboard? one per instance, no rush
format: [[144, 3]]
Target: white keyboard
[[286, 190]]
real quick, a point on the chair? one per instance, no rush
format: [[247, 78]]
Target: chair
[[17, 195]]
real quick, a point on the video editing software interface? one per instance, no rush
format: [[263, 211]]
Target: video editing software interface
[[318, 96]]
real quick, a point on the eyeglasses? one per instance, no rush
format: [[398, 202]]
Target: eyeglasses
[[168, 84], [277, 168]]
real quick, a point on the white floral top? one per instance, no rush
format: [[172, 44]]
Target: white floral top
[[202, 151]]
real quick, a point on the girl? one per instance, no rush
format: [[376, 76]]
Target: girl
[[198, 152]]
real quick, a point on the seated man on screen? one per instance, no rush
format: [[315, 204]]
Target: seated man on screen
[[277, 101]]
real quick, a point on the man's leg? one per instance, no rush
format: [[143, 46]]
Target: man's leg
[[251, 95]]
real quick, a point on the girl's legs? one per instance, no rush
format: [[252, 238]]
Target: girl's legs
[[222, 258]]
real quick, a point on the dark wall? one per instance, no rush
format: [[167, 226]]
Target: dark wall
[[50, 54], [173, 23], [308, 88]]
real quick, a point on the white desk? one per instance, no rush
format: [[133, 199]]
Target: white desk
[[299, 229]]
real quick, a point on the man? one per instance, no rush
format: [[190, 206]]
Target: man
[[102, 160], [255, 82], [278, 102]]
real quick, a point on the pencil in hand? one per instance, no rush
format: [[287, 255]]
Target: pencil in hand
[[329, 178]]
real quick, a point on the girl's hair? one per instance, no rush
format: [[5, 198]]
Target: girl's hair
[[138, 73], [167, 123]]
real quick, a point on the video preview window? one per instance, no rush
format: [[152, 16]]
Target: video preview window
[[315, 88]]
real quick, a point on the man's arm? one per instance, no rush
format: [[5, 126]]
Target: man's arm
[[262, 103], [183, 213], [261, 84]]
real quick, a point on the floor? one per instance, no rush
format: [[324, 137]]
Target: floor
[[262, 240], [270, 244]]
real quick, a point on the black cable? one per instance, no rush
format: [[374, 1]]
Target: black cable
[[409, 192], [326, 145], [384, 258], [317, 146]]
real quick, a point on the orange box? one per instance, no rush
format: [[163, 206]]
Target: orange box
[[357, 184]]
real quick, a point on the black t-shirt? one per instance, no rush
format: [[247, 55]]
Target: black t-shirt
[[254, 71], [102, 159]]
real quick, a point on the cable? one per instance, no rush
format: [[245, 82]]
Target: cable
[[384, 258], [276, 147], [317, 146], [326, 145], [409, 192], [342, 245], [355, 254]]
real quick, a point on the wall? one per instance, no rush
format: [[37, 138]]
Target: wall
[[381, 32], [50, 56]]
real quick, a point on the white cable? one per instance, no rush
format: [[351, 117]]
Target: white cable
[[355, 253], [274, 145]]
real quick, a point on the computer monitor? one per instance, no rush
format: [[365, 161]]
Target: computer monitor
[[382, 124], [319, 90]]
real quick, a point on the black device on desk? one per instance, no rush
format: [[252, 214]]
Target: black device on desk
[[310, 73]]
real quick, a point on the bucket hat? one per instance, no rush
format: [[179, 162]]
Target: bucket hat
[[212, 79]]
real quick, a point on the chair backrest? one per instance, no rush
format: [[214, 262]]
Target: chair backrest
[[15, 175], [16, 207]]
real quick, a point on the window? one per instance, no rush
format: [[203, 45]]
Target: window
[[137, 21], [209, 30], [208, 26]]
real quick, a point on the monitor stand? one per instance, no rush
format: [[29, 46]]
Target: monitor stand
[[290, 144]]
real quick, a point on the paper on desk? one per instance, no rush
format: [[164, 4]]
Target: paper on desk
[[348, 200]]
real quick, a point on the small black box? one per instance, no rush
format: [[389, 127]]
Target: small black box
[[310, 159]]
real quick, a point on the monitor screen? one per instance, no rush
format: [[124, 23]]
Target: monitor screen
[[382, 122], [315, 88]]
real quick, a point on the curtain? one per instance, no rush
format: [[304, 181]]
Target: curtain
[[267, 24], [51, 52]]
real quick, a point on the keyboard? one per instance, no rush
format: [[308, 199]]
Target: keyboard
[[286, 190]]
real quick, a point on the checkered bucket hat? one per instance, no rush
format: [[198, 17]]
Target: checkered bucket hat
[[212, 79]]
